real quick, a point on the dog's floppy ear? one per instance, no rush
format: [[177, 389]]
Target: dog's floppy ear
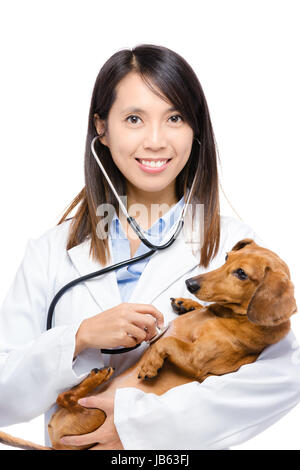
[[239, 245], [273, 301]]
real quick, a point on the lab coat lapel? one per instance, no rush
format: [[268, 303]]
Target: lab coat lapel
[[103, 288], [163, 268]]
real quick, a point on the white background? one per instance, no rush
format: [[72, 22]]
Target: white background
[[246, 55]]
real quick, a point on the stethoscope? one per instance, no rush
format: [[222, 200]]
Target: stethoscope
[[140, 232]]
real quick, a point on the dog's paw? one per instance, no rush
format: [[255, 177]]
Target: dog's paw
[[147, 374], [181, 305], [103, 373], [150, 369]]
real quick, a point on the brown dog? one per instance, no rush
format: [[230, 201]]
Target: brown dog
[[253, 299]]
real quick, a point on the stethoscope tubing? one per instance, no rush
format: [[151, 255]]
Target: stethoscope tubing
[[139, 232], [78, 280], [86, 277], [127, 262]]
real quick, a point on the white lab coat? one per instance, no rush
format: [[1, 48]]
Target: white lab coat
[[36, 365]]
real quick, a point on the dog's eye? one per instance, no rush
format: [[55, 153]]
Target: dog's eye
[[240, 274], [226, 257]]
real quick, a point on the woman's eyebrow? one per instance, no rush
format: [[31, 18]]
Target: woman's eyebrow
[[133, 109]]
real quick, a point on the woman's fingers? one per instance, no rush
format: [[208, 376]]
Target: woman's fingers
[[82, 440], [109, 329], [93, 402], [138, 334], [103, 401], [150, 309], [116, 445], [146, 323]]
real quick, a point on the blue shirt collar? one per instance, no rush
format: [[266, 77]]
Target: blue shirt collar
[[157, 230]]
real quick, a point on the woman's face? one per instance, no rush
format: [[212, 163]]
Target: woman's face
[[141, 126]]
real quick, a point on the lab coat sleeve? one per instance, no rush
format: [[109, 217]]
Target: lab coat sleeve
[[35, 365], [220, 412]]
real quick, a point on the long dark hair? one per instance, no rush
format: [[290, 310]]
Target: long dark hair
[[178, 82]]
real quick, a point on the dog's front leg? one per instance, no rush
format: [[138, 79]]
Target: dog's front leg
[[69, 398], [177, 351]]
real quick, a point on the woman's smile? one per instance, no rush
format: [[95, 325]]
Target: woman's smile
[[152, 165]]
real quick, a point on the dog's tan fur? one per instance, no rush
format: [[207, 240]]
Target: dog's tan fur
[[247, 315]]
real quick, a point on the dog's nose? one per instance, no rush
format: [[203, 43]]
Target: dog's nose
[[192, 285]]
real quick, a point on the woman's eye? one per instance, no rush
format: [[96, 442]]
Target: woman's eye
[[129, 117], [136, 117], [176, 116]]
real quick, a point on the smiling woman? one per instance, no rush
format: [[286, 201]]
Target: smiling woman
[[153, 144], [157, 140], [148, 107], [152, 131]]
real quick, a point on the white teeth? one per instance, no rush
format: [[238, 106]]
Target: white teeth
[[153, 164]]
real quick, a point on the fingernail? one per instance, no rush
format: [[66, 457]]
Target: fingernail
[[82, 401]]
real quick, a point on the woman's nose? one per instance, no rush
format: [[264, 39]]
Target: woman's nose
[[155, 140]]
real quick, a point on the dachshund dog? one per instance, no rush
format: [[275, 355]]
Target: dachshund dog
[[251, 298]]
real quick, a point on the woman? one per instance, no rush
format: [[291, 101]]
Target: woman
[[147, 104]]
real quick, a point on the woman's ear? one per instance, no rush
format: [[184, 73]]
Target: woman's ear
[[100, 125], [239, 245], [273, 301]]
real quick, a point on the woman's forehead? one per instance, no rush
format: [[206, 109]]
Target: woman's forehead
[[133, 95]]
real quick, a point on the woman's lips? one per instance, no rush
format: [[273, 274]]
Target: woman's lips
[[149, 169]]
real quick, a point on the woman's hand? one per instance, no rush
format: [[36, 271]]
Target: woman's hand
[[125, 325], [106, 435]]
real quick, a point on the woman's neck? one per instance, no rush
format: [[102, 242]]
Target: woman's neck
[[147, 207], [146, 198]]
